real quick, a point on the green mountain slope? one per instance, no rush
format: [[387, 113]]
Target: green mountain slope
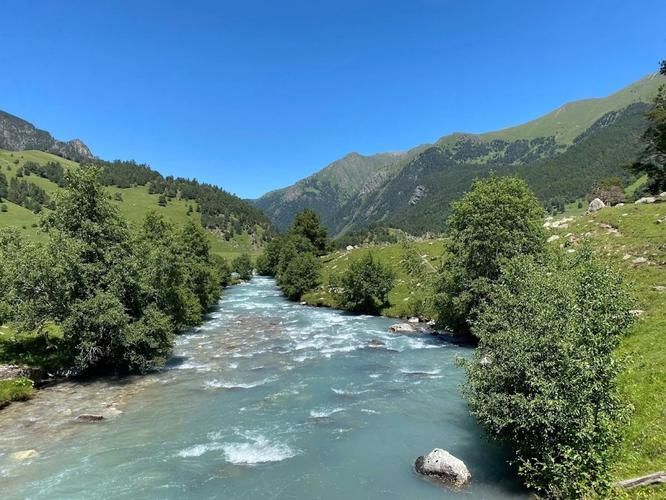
[[329, 189], [136, 189], [561, 154]]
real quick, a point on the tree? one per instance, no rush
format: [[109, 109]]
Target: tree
[[499, 218], [308, 225], [366, 285], [544, 377], [243, 266], [653, 159], [302, 275]]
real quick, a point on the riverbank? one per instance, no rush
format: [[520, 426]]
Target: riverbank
[[406, 295], [631, 238]]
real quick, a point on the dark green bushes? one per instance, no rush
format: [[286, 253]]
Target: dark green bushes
[[292, 258], [365, 286], [544, 377], [499, 218], [119, 295]]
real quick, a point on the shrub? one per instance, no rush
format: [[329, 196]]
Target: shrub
[[366, 285], [543, 379], [499, 218], [243, 266], [302, 274]]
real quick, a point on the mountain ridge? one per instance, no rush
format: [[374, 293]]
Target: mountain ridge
[[17, 134], [545, 137]]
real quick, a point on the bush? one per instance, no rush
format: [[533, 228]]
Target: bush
[[147, 343], [302, 275], [243, 266], [499, 218], [543, 379], [366, 285]]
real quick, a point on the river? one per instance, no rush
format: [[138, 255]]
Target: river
[[268, 399]]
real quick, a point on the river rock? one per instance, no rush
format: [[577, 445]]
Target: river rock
[[402, 328], [86, 417], [374, 343], [595, 205], [25, 455], [444, 466], [413, 320]]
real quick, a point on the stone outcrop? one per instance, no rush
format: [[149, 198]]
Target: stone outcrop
[[17, 134]]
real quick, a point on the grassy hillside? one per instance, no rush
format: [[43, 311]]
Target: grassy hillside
[[405, 292], [572, 119], [626, 235], [134, 203]]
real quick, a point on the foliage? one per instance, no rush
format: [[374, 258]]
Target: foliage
[[544, 378], [292, 257], [308, 225], [496, 220], [365, 285], [610, 191], [653, 158], [243, 266], [303, 273], [118, 294]]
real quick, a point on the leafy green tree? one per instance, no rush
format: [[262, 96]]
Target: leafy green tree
[[366, 285], [499, 218], [653, 159], [243, 266], [146, 344], [544, 377], [302, 274], [308, 225], [3, 187]]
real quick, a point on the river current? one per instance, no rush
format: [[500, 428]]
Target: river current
[[268, 399]]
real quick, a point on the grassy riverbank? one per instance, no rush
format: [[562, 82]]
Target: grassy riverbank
[[406, 290], [632, 240]]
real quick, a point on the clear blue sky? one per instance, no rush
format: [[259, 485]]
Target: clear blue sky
[[253, 95]]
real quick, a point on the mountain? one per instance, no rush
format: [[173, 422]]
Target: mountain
[[31, 174], [17, 134], [560, 154]]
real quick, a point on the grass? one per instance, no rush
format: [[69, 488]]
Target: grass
[[644, 380], [17, 389], [405, 292]]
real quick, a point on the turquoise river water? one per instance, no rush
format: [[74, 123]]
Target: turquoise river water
[[268, 399]]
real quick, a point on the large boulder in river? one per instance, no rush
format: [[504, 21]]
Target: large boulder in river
[[443, 466], [595, 205], [402, 328]]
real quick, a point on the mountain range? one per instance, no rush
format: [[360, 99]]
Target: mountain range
[[561, 155]]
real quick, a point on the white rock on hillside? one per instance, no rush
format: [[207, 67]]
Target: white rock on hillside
[[595, 205]]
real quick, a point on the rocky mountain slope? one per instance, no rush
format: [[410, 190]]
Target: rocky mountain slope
[[560, 154], [17, 134]]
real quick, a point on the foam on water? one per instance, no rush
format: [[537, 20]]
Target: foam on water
[[257, 450], [325, 412]]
